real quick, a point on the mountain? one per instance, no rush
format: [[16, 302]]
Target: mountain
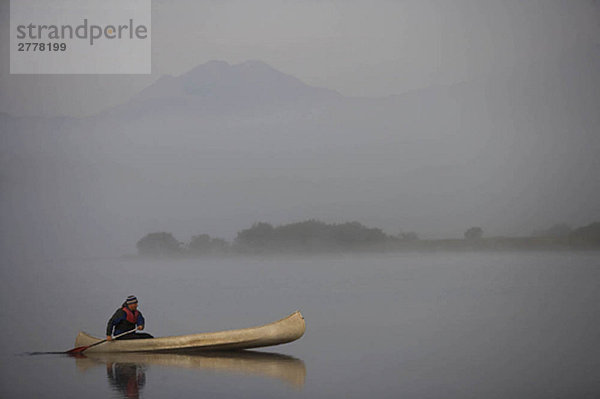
[[249, 80], [223, 146], [220, 87]]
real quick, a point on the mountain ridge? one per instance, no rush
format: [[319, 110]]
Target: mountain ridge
[[219, 79]]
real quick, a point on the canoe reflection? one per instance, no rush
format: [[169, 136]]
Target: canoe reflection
[[126, 370]]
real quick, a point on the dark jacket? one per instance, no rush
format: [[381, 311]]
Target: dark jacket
[[118, 322]]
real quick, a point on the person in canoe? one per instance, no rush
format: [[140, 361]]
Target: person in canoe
[[126, 318]]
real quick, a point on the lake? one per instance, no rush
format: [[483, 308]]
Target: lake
[[411, 325]]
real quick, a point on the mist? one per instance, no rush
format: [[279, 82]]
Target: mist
[[426, 117], [418, 178]]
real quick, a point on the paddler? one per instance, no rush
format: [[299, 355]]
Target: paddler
[[126, 318]]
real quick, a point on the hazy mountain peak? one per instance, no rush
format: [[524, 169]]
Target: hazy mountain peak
[[255, 74], [257, 65], [208, 68], [217, 80]]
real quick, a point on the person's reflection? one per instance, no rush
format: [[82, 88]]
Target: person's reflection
[[126, 378]]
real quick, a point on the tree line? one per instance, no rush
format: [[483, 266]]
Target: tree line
[[313, 236]]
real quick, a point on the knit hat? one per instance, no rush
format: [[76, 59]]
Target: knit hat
[[131, 299]]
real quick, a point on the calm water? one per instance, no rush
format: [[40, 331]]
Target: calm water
[[406, 325]]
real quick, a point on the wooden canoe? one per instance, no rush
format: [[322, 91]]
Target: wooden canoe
[[280, 332]]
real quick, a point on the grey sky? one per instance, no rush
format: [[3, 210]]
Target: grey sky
[[358, 48], [485, 114]]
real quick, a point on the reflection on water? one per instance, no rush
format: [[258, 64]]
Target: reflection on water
[[126, 378], [126, 371]]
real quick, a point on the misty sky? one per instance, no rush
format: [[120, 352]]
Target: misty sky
[[452, 114], [358, 48]]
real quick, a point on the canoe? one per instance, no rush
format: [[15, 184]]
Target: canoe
[[280, 332]]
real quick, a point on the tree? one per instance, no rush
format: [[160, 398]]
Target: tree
[[588, 234], [219, 245], [200, 244], [203, 244], [158, 244], [474, 233], [310, 235], [408, 236], [354, 233], [258, 236], [558, 230]]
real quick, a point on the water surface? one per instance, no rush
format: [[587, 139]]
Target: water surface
[[453, 325]]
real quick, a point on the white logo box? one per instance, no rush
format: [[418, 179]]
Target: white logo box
[[80, 37]]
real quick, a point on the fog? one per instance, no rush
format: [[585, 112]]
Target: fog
[[420, 117], [417, 116]]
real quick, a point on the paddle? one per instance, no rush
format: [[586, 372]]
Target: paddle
[[80, 349]]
